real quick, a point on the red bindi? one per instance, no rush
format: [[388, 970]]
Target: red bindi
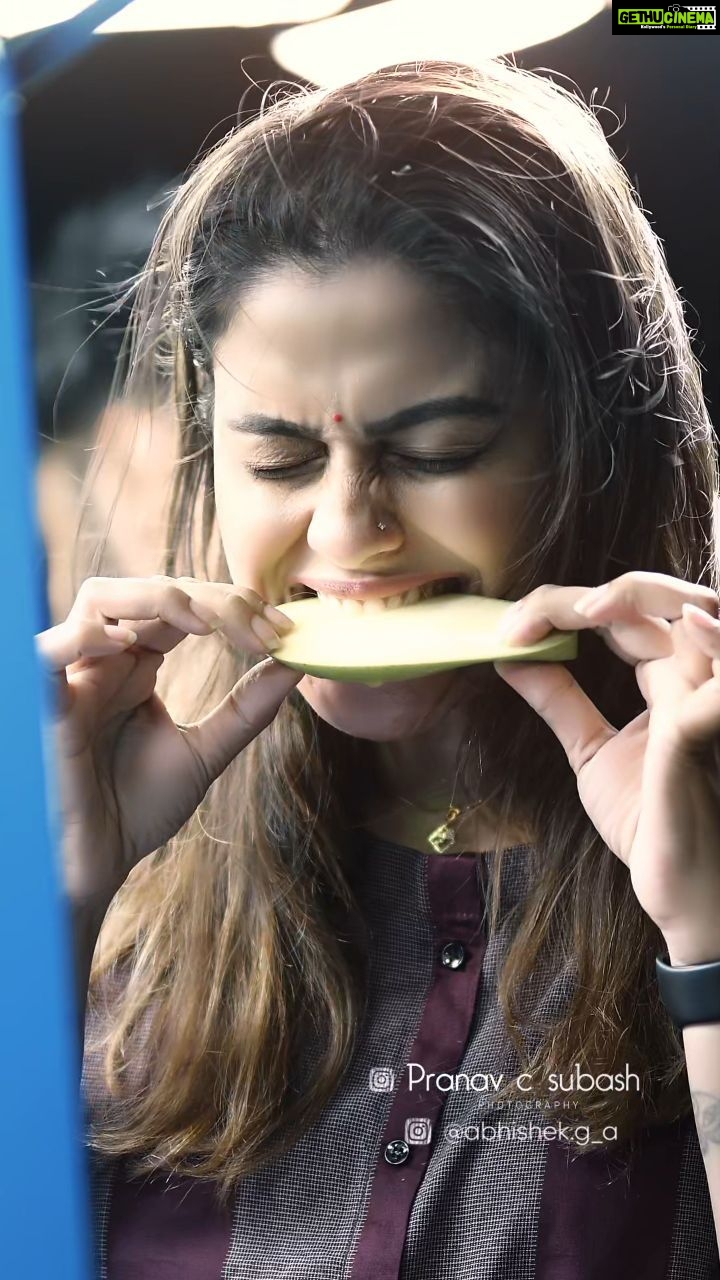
[[337, 417]]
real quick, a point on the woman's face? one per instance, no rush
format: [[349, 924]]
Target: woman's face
[[307, 365]]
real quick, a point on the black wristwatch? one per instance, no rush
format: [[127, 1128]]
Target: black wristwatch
[[690, 992]]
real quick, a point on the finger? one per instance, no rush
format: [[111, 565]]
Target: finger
[[531, 618], [661, 684], [704, 629], [693, 662], [555, 607], [664, 688], [124, 689], [643, 682], [646, 639], [215, 594], [161, 599], [137, 599], [246, 710], [556, 696], [71, 651], [697, 724], [651, 594], [159, 637], [69, 642]]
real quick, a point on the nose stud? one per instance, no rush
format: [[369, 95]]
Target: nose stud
[[337, 417]]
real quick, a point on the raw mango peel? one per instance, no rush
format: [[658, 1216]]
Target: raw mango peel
[[410, 641]]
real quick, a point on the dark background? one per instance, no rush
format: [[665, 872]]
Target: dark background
[[143, 105]]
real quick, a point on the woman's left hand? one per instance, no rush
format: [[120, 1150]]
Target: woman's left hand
[[652, 788]]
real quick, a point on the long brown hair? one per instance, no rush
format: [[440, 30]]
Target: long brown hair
[[241, 936]]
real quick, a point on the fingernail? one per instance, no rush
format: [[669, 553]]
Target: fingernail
[[265, 632], [278, 618], [123, 635], [206, 614], [511, 618]]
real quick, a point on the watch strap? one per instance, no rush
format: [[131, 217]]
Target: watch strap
[[690, 992]]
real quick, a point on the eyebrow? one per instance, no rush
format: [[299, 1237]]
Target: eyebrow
[[260, 424]]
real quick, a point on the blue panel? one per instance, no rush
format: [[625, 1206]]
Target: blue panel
[[44, 1220]]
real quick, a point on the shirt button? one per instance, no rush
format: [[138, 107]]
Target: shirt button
[[453, 955], [397, 1152]]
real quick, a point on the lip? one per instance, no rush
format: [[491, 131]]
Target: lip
[[371, 588]]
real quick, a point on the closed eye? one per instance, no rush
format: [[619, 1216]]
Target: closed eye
[[430, 465]]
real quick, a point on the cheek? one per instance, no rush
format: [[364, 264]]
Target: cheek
[[254, 531], [482, 526], [481, 519], [238, 501]]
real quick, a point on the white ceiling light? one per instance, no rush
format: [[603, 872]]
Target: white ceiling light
[[331, 52], [168, 15]]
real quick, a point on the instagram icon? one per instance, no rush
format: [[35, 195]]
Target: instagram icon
[[382, 1080], [418, 1131]]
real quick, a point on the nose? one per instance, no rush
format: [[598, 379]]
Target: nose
[[343, 526]]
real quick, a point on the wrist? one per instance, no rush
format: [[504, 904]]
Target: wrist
[[692, 948]]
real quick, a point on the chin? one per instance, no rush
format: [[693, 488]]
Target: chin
[[388, 713]]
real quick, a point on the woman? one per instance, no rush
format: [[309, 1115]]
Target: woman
[[417, 330]]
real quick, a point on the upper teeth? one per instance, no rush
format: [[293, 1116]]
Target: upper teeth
[[380, 603]]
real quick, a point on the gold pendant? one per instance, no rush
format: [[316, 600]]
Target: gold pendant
[[442, 838]]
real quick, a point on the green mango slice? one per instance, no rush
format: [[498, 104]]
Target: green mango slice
[[412, 640]]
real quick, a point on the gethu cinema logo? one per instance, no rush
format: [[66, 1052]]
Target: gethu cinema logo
[[673, 16]]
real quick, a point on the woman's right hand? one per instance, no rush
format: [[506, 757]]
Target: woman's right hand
[[129, 776]]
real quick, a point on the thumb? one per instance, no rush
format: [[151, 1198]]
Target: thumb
[[245, 711], [551, 690]]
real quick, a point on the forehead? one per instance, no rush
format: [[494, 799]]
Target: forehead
[[364, 328]]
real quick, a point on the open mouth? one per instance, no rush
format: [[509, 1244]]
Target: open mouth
[[441, 587]]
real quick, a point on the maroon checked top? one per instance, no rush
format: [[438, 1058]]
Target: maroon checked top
[[403, 1180]]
